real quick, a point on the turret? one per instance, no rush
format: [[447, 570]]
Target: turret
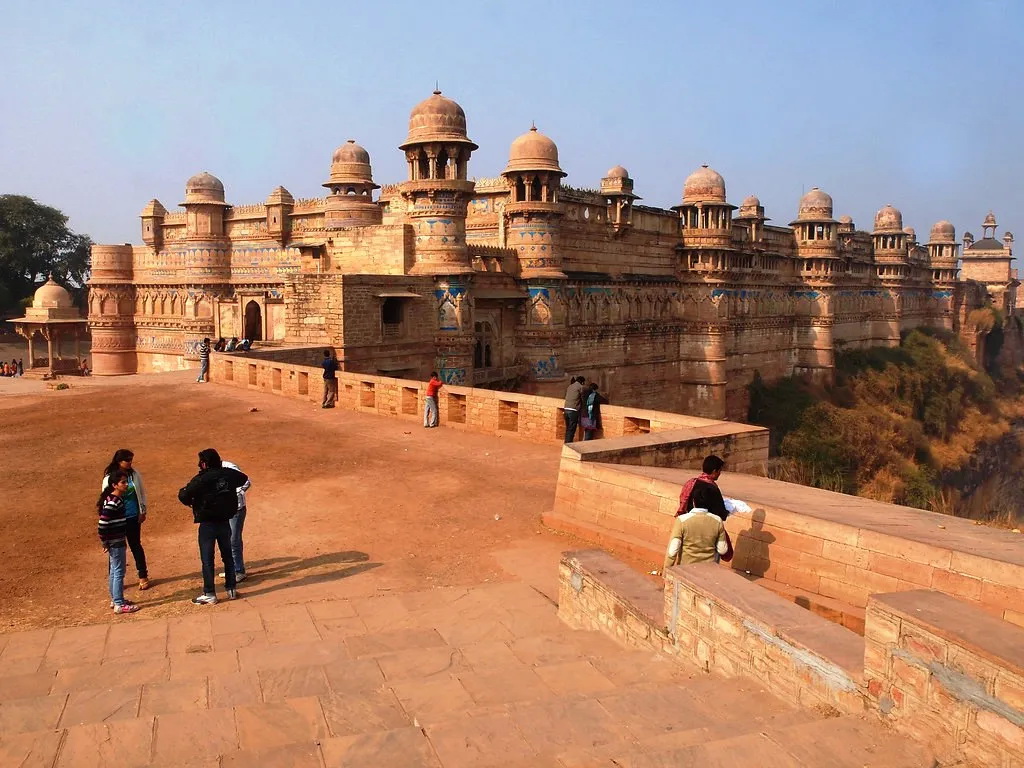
[[704, 214], [437, 192], [943, 252], [889, 243], [617, 189], [279, 214], [533, 212], [751, 214], [153, 224], [351, 186], [207, 257]]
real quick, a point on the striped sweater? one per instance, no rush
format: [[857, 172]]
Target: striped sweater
[[112, 522]]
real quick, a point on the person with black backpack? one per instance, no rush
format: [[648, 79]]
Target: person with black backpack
[[213, 496]]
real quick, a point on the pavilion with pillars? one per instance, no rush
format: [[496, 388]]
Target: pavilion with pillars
[[54, 317]]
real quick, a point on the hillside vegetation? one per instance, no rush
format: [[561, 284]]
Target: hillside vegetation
[[904, 425]]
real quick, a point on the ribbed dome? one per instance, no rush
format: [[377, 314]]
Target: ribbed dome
[[350, 164], [705, 185], [204, 188], [888, 220], [816, 205], [51, 296], [533, 151], [618, 172], [943, 232], [437, 119]]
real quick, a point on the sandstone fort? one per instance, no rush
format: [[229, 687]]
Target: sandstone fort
[[519, 281]]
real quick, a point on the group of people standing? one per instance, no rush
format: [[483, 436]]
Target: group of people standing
[[217, 497], [582, 408]]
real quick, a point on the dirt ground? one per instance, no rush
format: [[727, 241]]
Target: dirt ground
[[339, 499]]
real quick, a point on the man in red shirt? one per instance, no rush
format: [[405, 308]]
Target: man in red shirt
[[430, 402]]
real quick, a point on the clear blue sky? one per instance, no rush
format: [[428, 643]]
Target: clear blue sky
[[918, 104]]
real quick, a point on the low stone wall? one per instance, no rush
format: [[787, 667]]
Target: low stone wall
[[726, 624], [948, 674], [596, 591], [933, 667], [530, 417], [812, 543]]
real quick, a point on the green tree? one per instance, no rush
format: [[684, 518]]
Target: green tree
[[35, 240]]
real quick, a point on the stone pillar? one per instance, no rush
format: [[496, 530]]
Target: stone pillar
[[49, 348], [541, 337], [31, 349], [454, 339]]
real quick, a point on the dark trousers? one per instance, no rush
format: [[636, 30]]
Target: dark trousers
[[218, 533], [133, 533], [572, 421]]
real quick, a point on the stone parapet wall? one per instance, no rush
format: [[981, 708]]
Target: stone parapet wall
[[530, 417], [829, 551], [947, 674]]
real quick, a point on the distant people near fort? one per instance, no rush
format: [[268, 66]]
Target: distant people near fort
[[523, 282]]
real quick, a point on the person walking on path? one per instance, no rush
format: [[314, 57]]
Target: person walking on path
[[111, 529], [134, 499], [711, 470], [571, 409], [330, 366], [213, 496], [237, 523], [698, 535], [204, 361], [430, 418], [590, 419]]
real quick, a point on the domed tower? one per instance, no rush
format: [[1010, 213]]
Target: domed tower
[[943, 252], [888, 237], [207, 257], [617, 189], [350, 203], [705, 215], [437, 192], [751, 213], [533, 211], [816, 233]]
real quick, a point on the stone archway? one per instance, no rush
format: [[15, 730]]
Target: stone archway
[[253, 321]]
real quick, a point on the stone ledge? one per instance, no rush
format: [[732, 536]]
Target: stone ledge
[[789, 622], [958, 622]]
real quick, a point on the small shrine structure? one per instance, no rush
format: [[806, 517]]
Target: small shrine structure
[[54, 316]]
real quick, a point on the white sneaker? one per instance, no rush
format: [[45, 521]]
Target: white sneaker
[[232, 594], [205, 599], [239, 577]]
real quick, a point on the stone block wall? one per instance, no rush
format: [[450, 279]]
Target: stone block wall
[[932, 667], [947, 674], [726, 624]]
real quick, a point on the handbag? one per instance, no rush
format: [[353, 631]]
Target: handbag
[[588, 422]]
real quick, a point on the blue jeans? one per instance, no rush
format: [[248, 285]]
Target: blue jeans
[[216, 534], [204, 370], [117, 557], [237, 523]]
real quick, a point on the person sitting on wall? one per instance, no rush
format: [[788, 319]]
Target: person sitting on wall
[[244, 345], [711, 471], [232, 345], [698, 535], [220, 345], [84, 367]]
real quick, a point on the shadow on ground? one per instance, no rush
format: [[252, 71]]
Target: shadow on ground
[[330, 566]]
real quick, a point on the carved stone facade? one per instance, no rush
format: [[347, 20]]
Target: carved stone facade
[[521, 281]]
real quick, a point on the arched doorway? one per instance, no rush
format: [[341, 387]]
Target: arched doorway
[[253, 322]]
